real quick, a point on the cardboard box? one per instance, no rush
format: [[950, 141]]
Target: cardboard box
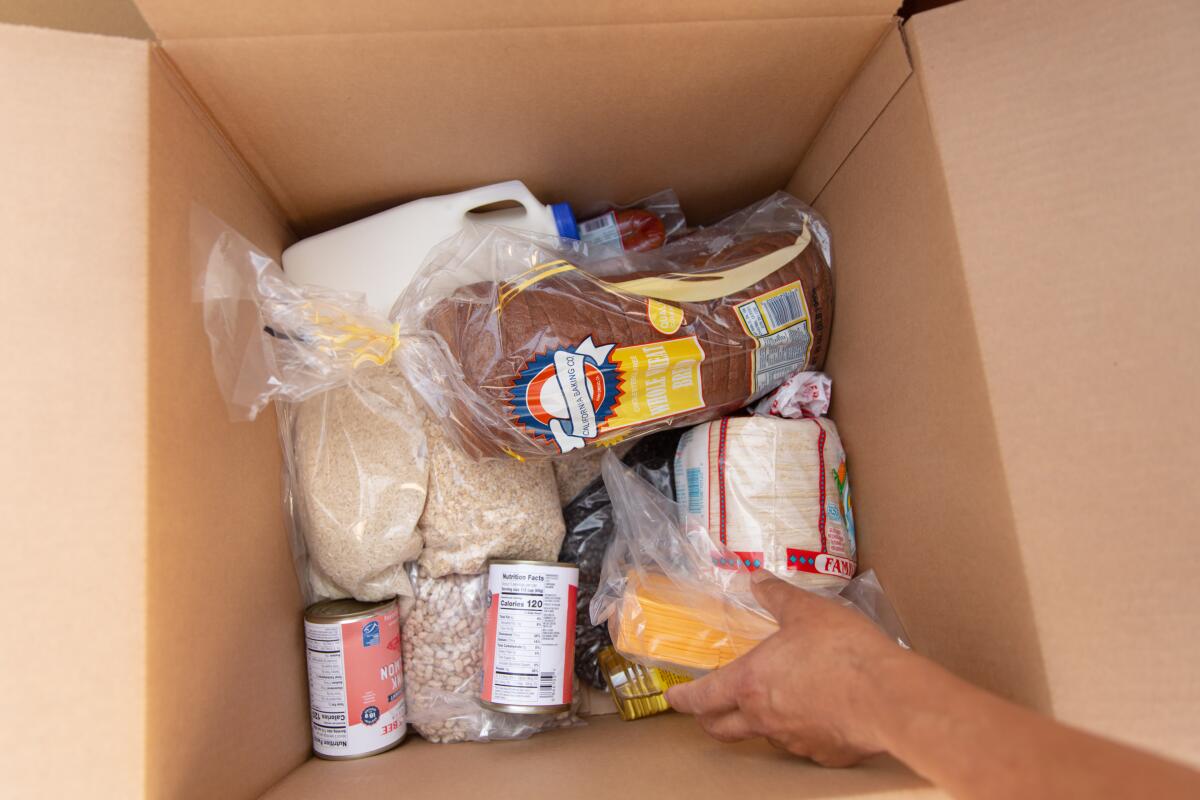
[[1013, 193]]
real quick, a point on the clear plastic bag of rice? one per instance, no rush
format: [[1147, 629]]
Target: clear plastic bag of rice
[[357, 473], [443, 666], [483, 510]]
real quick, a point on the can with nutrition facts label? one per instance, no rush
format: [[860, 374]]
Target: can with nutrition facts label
[[529, 643], [355, 677]]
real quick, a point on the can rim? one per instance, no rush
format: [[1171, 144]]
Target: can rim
[[514, 708], [320, 612], [528, 563]]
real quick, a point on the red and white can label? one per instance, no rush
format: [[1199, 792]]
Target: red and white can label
[[355, 684], [529, 648]]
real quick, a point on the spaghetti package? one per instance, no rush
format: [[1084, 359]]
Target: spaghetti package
[[519, 348], [664, 603], [770, 493]]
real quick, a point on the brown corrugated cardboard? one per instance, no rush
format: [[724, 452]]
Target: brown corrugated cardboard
[[180, 19], [111, 17], [224, 599], [1014, 351], [1068, 143], [605, 112], [884, 72], [73, 225], [912, 404], [607, 757]]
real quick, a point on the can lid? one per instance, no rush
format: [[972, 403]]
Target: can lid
[[345, 609], [564, 219], [523, 562]]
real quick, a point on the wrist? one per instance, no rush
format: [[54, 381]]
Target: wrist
[[898, 685]]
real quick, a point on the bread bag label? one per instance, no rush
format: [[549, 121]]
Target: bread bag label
[[573, 395], [778, 321]]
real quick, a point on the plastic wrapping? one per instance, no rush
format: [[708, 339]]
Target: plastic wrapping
[[483, 510], [645, 224], [272, 339], [665, 604], [573, 475], [589, 519], [354, 450], [518, 349], [443, 666], [356, 476], [637, 691], [805, 394], [772, 494]]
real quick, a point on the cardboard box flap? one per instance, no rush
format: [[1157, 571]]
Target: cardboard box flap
[[662, 757], [73, 219], [181, 19], [885, 71], [341, 126], [109, 17], [1068, 141], [931, 503], [223, 606]]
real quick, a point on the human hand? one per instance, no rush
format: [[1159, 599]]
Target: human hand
[[810, 689]]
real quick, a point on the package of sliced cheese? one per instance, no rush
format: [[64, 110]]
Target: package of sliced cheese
[[771, 494], [666, 605]]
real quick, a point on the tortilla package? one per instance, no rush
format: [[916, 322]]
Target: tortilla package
[[520, 349]]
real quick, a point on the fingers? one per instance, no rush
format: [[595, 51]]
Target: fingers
[[731, 726], [715, 693], [824, 756]]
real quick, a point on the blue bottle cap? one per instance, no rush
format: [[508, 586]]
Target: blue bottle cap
[[564, 218]]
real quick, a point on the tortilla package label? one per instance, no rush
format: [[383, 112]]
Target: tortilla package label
[[574, 395], [771, 494]]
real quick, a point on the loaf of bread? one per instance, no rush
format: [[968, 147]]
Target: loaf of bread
[[556, 359]]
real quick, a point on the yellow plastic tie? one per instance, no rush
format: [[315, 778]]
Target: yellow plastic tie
[[362, 343]]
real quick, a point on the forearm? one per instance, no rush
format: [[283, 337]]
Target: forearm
[[979, 747]]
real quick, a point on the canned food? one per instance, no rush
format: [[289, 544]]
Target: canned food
[[529, 642], [355, 677]]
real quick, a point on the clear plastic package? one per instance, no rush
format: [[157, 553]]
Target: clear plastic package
[[272, 339], [637, 691], [354, 448], [477, 511], [356, 469], [664, 603], [645, 224], [519, 348], [772, 494], [589, 519]]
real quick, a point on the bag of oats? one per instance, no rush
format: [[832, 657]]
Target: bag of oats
[[357, 475], [483, 510]]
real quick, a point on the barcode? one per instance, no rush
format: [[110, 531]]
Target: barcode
[[695, 501], [594, 224], [546, 686], [783, 309]]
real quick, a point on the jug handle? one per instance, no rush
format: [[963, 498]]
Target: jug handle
[[498, 193]]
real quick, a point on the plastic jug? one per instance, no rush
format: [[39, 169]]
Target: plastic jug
[[379, 255]]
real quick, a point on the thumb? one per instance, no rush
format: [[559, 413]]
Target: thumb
[[782, 601]]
